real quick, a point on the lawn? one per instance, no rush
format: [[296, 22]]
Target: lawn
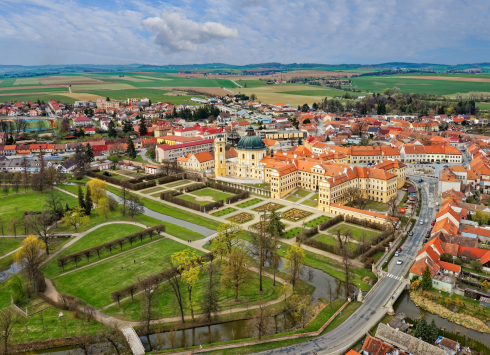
[[356, 231], [177, 183], [9, 244], [250, 295], [376, 206], [293, 198], [249, 203], [331, 240], [301, 193], [310, 203], [293, 232], [215, 194], [402, 202], [224, 211], [193, 199], [13, 206], [316, 221], [261, 186], [12, 191], [99, 236], [377, 256], [94, 284], [72, 188], [35, 97], [153, 189]]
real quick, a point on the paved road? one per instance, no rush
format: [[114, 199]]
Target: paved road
[[366, 316]]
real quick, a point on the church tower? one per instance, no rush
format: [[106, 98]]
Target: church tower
[[219, 156]]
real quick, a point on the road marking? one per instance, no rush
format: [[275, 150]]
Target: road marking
[[394, 277]]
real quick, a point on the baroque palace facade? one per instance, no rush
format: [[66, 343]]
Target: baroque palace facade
[[327, 173]]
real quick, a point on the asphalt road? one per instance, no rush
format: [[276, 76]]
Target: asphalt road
[[364, 318]]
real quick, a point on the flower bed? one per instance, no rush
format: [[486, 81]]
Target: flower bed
[[268, 207], [295, 214], [241, 218]]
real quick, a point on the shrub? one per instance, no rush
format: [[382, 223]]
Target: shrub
[[331, 222], [476, 265], [447, 257], [106, 173], [364, 223], [458, 261]]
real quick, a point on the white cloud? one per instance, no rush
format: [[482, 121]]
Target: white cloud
[[176, 33]]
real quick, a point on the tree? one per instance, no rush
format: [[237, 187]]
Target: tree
[[148, 309], [39, 224], [38, 181], [188, 267], [135, 206], [343, 248], [480, 217], [131, 151], [235, 273], [253, 97], [228, 236], [275, 227], [98, 189], [261, 244], [8, 320], [422, 330], [75, 218], [103, 207], [210, 294], [175, 282], [80, 159], [13, 224], [88, 202], [485, 285], [476, 265], [426, 283], [293, 266], [30, 256], [261, 320], [81, 199], [2, 225], [143, 130], [301, 306], [111, 131], [54, 204], [89, 153], [16, 182], [433, 331]]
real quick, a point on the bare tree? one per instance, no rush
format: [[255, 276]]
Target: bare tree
[[175, 282], [8, 320], [260, 321], [54, 204], [39, 224], [261, 245], [135, 206], [343, 248], [211, 291], [148, 309]]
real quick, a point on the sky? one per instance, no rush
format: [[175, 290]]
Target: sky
[[40, 32]]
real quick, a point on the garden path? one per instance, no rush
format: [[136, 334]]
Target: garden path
[[13, 251], [307, 197]]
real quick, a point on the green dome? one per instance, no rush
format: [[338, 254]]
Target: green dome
[[250, 141]]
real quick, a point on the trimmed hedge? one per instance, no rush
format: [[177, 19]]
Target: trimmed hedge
[[364, 223], [136, 183], [156, 279], [87, 253], [172, 196], [224, 188], [331, 222], [167, 179], [236, 198], [194, 187]]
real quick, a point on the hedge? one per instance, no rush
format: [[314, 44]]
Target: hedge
[[195, 187], [156, 279], [224, 187], [136, 183], [172, 196], [87, 253], [167, 179], [364, 223], [331, 222], [236, 198]]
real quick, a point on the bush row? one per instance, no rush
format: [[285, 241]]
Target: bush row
[[132, 184], [240, 196], [194, 187], [331, 222], [223, 187], [167, 179], [131, 290], [364, 223], [172, 196], [76, 257]]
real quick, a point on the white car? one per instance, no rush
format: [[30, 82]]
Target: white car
[[422, 222], [399, 262]]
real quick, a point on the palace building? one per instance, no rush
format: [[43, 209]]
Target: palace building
[[327, 173]]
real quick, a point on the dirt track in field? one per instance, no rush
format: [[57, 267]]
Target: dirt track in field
[[445, 78]]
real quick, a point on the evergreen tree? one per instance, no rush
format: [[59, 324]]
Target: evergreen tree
[[426, 283], [81, 201], [88, 202], [422, 330], [143, 130], [149, 102], [315, 106], [67, 207], [89, 153], [328, 138], [126, 126], [111, 131], [433, 331], [131, 151]]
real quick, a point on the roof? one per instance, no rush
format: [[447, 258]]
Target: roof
[[478, 231], [203, 156], [376, 347], [250, 141], [351, 209], [184, 145], [450, 266], [419, 266]]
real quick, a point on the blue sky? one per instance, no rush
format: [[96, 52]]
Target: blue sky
[[38, 32]]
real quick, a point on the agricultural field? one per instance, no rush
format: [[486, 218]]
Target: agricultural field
[[421, 83], [27, 81]]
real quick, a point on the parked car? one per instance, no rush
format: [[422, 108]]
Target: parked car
[[396, 254], [411, 233], [399, 262], [432, 223], [399, 250], [421, 221]]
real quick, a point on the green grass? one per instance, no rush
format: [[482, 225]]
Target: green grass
[[12, 191], [301, 193], [94, 284], [153, 189], [99, 236], [192, 199], [249, 203], [376, 205], [293, 198], [9, 244], [157, 195], [316, 221], [427, 86], [402, 202], [72, 188], [356, 232], [327, 239], [249, 295], [13, 206], [215, 194], [310, 203], [377, 256], [224, 211], [293, 232], [34, 97], [177, 183], [261, 186], [320, 92]]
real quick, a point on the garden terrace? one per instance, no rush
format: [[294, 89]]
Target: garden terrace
[[184, 200], [271, 206], [97, 250], [316, 221], [224, 211], [295, 214], [241, 218]]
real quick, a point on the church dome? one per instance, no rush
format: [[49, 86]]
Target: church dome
[[250, 141]]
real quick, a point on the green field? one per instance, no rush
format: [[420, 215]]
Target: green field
[[13, 206], [316, 221], [249, 203], [249, 295], [427, 86], [94, 284], [34, 97], [99, 236], [9, 244], [319, 92], [224, 212]]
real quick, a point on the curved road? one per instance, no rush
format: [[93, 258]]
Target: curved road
[[339, 340]]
